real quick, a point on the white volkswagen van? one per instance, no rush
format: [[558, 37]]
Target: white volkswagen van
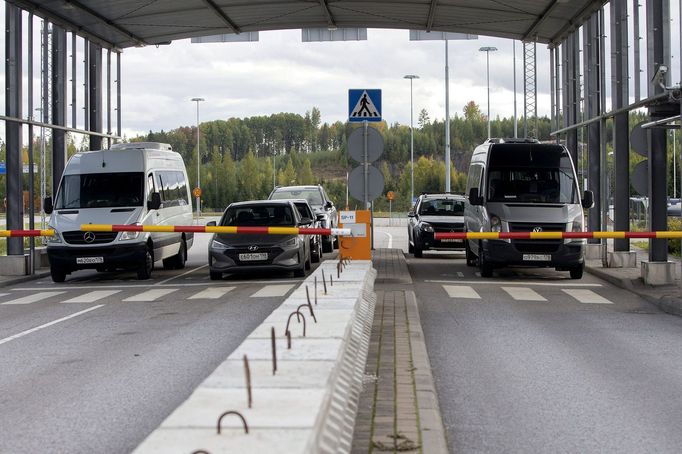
[[141, 183], [521, 185]]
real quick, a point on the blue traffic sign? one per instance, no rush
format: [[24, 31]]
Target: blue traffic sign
[[364, 105]]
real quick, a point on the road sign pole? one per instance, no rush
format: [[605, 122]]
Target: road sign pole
[[365, 162]]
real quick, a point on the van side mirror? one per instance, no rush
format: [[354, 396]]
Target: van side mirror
[[328, 205], [47, 203], [474, 198], [411, 214], [588, 199], [155, 202], [211, 224]]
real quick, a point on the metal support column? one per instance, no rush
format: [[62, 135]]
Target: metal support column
[[636, 77], [592, 66], [621, 128], [95, 94], [658, 42], [530, 95], [552, 86], [557, 90], [109, 96], [31, 167], [13, 98], [573, 96], [74, 97], [58, 79], [118, 94]]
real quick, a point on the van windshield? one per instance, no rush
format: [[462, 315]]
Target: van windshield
[[101, 190], [538, 174]]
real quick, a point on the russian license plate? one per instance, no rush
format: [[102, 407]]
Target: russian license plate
[[537, 257], [450, 240], [89, 260], [251, 257]]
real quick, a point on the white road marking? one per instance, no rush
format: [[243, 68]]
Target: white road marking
[[487, 282], [211, 293], [54, 322], [183, 274], [523, 294], [461, 291], [33, 298], [273, 290], [587, 296], [4, 294], [175, 286], [91, 297], [151, 295]]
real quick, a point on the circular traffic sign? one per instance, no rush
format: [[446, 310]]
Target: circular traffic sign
[[196, 192], [356, 183], [390, 195], [356, 144]]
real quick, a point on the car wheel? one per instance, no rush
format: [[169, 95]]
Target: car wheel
[[417, 250], [145, 271], [308, 260], [470, 257], [327, 244], [177, 262], [410, 248], [315, 252], [215, 275], [577, 272], [57, 275], [300, 272]]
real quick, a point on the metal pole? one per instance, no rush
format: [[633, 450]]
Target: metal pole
[[516, 124], [109, 96], [447, 120], [74, 88], [31, 203], [44, 111], [365, 163], [118, 94], [487, 59], [198, 165], [604, 181], [411, 149]]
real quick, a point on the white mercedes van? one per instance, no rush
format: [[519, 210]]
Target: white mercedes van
[[521, 185], [140, 183]]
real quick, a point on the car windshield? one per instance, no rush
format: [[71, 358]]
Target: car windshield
[[442, 207], [258, 215], [313, 196], [100, 190]]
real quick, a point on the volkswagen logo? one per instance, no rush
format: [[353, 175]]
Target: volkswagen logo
[[253, 248], [537, 229], [89, 237]]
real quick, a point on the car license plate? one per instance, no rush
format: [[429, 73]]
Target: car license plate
[[537, 257], [251, 257], [450, 240], [89, 260]]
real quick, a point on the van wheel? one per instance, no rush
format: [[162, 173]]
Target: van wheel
[[470, 257], [485, 267], [145, 272], [577, 272], [57, 275], [177, 262]]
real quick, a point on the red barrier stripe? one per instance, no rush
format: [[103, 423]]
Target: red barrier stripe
[[314, 231], [24, 233], [640, 234], [578, 235], [126, 228], [252, 230], [191, 228]]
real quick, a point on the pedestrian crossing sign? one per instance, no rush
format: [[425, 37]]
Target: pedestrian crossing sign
[[364, 105]]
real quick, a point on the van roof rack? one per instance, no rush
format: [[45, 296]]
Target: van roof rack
[[511, 140], [141, 146]]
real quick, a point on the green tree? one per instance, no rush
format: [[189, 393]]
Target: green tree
[[249, 178], [305, 175]]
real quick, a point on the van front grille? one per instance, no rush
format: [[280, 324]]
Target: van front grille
[[79, 237]]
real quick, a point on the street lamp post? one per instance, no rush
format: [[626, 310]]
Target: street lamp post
[[198, 100], [487, 51], [411, 77]]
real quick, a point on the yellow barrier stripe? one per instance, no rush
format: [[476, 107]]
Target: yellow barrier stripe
[[158, 228], [673, 235], [47, 232], [547, 235], [4, 233], [283, 230], [483, 235], [614, 235], [219, 229], [97, 227]]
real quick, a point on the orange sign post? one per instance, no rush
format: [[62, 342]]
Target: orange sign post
[[196, 192], [358, 246]]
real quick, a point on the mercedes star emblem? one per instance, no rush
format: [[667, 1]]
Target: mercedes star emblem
[[89, 237]]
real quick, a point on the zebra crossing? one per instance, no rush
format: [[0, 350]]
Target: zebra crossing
[[140, 295], [521, 293]]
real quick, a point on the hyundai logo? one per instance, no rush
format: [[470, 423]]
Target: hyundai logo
[[537, 229], [89, 237], [253, 248]]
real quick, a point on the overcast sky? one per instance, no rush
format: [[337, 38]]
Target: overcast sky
[[282, 74]]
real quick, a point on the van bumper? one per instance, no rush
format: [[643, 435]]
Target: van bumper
[[119, 256], [502, 253]]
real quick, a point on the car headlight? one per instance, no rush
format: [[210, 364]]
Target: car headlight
[[54, 239], [290, 242], [577, 224], [130, 235], [495, 224], [215, 244], [426, 227]]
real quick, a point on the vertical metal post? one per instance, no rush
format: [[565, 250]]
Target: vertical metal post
[[592, 66], [447, 120], [573, 95], [552, 86], [658, 41], [86, 84], [58, 104], [530, 90], [45, 113], [605, 188], [118, 94], [487, 76], [621, 129], [516, 120], [109, 97], [74, 78], [680, 135], [636, 77], [558, 89], [13, 98], [95, 94], [31, 195], [365, 166]]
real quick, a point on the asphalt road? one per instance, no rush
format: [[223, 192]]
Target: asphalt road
[[99, 376]]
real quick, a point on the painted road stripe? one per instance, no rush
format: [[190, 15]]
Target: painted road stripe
[[54, 322], [34, 298], [526, 283], [91, 297], [211, 293], [461, 291], [151, 295], [273, 290], [587, 296], [523, 294]]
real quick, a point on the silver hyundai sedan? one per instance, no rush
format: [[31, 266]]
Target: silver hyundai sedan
[[244, 252]]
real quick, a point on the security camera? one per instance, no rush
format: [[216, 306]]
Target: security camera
[[659, 77]]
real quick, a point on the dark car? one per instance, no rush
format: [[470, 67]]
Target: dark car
[[435, 213], [320, 202], [234, 253], [306, 211]]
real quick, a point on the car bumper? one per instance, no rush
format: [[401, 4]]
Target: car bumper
[[227, 261], [503, 253], [118, 256], [426, 241]]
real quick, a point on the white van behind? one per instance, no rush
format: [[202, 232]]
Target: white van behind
[[521, 185], [141, 183]]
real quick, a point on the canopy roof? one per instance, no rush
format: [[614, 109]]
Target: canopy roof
[[125, 23]]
